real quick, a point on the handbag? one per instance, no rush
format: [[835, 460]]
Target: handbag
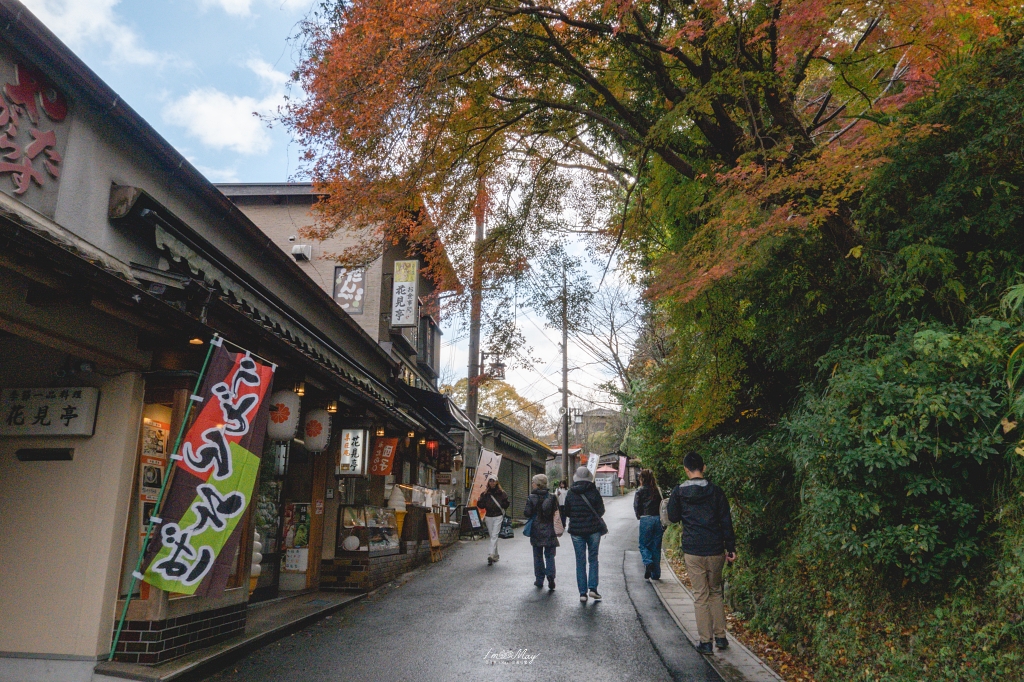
[[663, 513], [602, 526], [556, 519], [528, 527], [506, 532]]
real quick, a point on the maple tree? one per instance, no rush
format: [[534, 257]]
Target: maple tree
[[415, 106]]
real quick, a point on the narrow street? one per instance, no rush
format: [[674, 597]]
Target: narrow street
[[443, 622]]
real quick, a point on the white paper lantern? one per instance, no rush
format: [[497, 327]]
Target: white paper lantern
[[284, 415], [316, 431]]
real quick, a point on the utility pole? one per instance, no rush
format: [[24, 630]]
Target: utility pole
[[475, 305], [565, 379]]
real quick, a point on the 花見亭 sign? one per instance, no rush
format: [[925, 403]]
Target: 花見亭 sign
[[351, 460], [403, 296], [194, 539], [49, 411]]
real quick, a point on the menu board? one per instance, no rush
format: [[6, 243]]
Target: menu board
[[152, 468]]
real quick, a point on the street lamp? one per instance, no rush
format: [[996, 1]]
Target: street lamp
[[497, 368]]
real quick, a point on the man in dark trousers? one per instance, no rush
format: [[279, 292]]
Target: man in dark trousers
[[708, 542]]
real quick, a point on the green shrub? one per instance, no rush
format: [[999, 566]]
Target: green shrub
[[900, 453]]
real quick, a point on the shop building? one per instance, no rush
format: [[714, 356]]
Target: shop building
[[119, 262], [423, 468]]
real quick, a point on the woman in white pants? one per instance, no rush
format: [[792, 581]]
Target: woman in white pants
[[493, 502]]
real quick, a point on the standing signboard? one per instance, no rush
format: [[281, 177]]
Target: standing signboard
[[403, 294], [195, 538], [488, 466]]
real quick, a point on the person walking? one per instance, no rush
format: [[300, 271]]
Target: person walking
[[492, 503], [584, 509], [708, 543], [561, 492], [647, 507], [542, 506]]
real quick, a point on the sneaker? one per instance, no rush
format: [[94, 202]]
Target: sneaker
[[705, 648], [647, 571], [551, 584], [490, 560], [722, 642], [583, 599], [594, 595]]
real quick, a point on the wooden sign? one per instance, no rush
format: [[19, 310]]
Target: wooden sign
[[49, 411], [435, 538]]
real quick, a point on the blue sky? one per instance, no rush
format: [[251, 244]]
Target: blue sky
[[196, 70]]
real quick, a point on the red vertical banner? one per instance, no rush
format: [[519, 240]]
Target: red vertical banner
[[383, 456]]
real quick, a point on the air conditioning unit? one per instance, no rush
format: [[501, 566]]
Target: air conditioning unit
[[302, 252]]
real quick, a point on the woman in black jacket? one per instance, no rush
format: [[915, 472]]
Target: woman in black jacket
[[584, 509], [542, 506], [492, 503], [647, 507]]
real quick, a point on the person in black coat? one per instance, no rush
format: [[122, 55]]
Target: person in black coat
[[586, 529], [647, 507], [492, 503], [708, 543], [542, 507]]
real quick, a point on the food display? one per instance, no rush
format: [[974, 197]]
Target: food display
[[368, 529]]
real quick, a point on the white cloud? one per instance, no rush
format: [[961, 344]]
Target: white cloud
[[242, 8], [223, 121], [81, 22], [218, 174]]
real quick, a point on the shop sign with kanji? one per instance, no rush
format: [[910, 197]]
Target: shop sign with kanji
[[351, 461], [350, 289], [197, 531], [383, 456], [403, 295], [49, 411], [33, 134]]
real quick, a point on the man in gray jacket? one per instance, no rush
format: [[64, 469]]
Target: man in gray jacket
[[708, 543]]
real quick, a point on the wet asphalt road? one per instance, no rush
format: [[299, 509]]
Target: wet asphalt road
[[441, 623]]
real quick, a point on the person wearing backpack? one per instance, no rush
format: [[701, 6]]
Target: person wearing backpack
[[647, 507], [542, 506], [708, 543], [493, 502], [584, 509]]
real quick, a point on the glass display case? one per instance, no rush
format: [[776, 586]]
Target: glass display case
[[373, 530]]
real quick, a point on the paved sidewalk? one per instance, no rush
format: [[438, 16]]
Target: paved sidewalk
[[735, 664]]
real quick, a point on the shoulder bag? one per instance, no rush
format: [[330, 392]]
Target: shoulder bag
[[556, 520], [506, 532], [602, 526]]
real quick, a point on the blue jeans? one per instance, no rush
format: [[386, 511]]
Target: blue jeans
[[650, 543], [586, 545], [542, 555]]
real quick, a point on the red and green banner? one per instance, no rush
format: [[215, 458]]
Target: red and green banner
[[195, 537]]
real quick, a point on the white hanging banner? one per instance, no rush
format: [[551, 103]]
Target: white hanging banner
[[403, 294], [488, 466], [592, 461]]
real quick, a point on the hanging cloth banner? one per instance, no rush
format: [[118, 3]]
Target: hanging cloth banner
[[489, 464], [194, 540]]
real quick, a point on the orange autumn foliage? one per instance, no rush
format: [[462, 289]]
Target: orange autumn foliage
[[769, 108]]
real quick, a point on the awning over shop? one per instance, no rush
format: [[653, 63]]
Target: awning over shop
[[439, 409]]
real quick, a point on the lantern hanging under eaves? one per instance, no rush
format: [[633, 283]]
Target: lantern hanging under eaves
[[284, 415], [316, 430]]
